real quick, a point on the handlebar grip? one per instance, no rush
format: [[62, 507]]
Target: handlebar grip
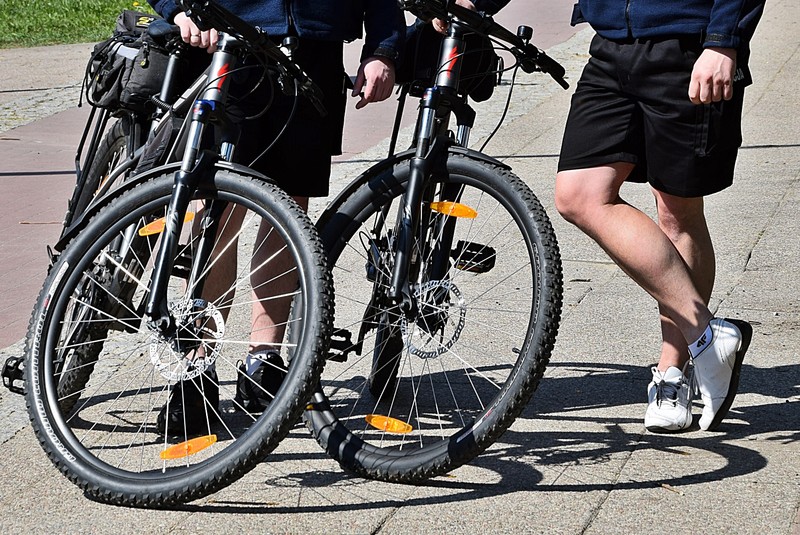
[[553, 68], [537, 60]]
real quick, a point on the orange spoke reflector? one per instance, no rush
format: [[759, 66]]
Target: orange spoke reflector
[[388, 424], [190, 447], [157, 226], [454, 209]]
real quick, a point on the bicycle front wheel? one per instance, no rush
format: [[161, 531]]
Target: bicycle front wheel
[[414, 391], [161, 419]]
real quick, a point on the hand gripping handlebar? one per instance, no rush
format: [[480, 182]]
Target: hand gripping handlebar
[[208, 14], [530, 58]]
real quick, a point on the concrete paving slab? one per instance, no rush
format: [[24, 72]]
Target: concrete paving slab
[[578, 460]]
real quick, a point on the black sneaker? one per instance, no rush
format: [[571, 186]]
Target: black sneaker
[[255, 392], [200, 396]]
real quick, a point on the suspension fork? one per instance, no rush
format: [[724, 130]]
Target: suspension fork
[[409, 215], [435, 107], [195, 166]]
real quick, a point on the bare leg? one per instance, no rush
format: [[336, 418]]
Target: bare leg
[[589, 198], [274, 279], [271, 277], [682, 220]]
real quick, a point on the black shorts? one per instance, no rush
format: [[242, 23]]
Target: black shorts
[[631, 105], [299, 157]]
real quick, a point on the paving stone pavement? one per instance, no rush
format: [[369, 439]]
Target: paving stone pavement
[[579, 460]]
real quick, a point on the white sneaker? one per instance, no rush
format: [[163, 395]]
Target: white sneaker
[[669, 401], [717, 367]]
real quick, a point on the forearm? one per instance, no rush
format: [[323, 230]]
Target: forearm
[[384, 27], [166, 8]]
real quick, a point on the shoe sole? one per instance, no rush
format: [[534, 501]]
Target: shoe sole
[[747, 334], [667, 430]]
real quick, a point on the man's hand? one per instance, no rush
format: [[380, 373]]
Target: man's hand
[[441, 26], [374, 81], [712, 76], [191, 34]]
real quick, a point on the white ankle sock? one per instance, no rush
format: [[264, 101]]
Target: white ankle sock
[[701, 343]]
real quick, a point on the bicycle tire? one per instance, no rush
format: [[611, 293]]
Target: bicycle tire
[[486, 372], [109, 445], [112, 151]]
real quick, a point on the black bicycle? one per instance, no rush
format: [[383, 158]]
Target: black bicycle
[[150, 305], [112, 146], [448, 285]]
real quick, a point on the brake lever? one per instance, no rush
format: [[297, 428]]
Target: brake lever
[[532, 59]]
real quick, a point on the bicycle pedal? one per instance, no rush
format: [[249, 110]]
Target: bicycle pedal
[[342, 345], [473, 257], [13, 372], [182, 267]]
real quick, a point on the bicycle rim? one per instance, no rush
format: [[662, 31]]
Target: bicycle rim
[[423, 393], [108, 439]]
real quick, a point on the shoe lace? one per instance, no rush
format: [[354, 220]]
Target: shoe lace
[[666, 392]]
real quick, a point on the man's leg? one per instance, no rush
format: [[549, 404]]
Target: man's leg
[[589, 198], [670, 392], [683, 221], [273, 281], [267, 277]]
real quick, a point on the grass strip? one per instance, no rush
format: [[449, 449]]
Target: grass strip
[[25, 23]]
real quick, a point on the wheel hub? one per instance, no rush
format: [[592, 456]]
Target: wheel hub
[[194, 346]]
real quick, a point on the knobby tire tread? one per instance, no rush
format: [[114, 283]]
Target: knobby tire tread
[[195, 489]]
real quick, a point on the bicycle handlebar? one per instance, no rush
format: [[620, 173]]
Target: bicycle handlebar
[[207, 14], [530, 58]]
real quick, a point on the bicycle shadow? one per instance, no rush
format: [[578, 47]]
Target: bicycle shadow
[[525, 460]]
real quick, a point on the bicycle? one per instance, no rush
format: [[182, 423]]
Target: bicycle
[[448, 286], [139, 284], [109, 155]]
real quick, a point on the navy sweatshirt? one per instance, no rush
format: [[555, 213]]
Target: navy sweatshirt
[[721, 23], [322, 20]]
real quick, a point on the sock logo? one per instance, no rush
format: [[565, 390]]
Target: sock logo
[[702, 341]]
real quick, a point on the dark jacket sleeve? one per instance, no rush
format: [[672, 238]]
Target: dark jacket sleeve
[[490, 6], [166, 8], [733, 23], [384, 29]]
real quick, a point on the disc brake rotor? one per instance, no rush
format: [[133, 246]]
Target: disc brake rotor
[[200, 325], [441, 318]]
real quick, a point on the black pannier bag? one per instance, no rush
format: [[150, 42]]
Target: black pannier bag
[[128, 68]]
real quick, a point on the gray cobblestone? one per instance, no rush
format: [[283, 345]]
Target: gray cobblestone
[[37, 105]]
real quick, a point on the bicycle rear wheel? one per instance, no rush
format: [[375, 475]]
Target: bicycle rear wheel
[[111, 152], [109, 442], [418, 393], [87, 337]]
